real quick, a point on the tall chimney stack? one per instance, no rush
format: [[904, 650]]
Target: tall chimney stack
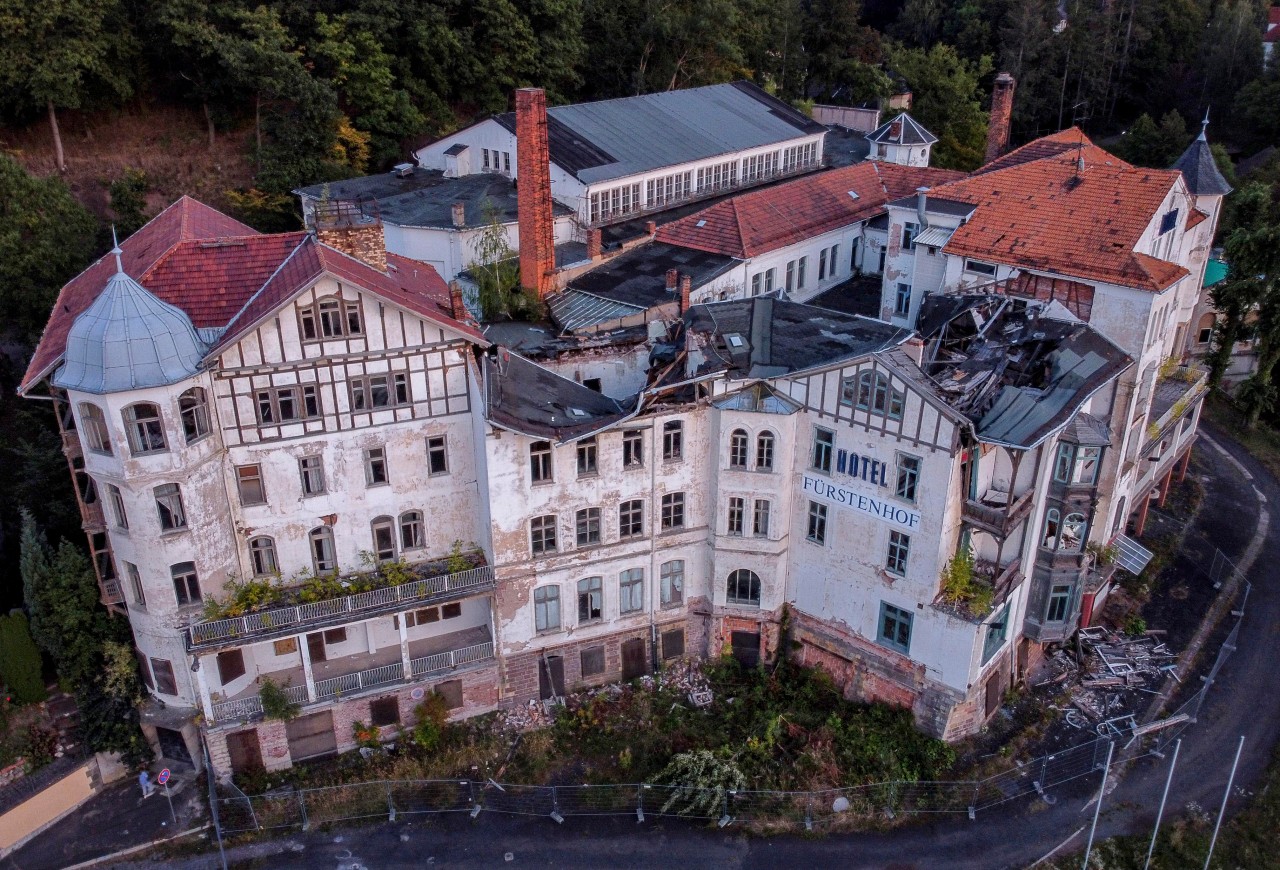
[[459, 214], [1001, 111], [595, 244], [533, 200], [686, 285]]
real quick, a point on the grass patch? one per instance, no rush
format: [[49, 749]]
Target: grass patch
[[1263, 443]]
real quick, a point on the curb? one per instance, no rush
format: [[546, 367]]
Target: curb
[[93, 862]]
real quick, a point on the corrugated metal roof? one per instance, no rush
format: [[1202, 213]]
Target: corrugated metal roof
[[934, 237], [615, 138], [575, 310]]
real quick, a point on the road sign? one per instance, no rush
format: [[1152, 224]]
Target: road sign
[[163, 777]]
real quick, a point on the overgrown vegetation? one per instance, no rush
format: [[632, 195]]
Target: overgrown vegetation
[[275, 702], [497, 275], [20, 667], [963, 588]]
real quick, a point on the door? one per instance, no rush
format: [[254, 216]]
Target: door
[[995, 689], [245, 751], [315, 646], [172, 745], [551, 677], [634, 662], [746, 647], [312, 735]]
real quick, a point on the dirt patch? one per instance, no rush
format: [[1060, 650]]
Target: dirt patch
[[168, 143]]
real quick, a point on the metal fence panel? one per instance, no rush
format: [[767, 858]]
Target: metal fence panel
[[358, 800], [431, 796]]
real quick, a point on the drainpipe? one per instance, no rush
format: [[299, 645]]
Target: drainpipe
[[655, 523], [922, 202]]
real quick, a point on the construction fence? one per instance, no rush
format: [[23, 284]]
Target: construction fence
[[235, 812]]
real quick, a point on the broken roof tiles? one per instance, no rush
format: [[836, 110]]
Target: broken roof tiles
[[526, 398]]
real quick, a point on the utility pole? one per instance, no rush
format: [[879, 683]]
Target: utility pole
[[1102, 790], [1164, 797], [1223, 809]]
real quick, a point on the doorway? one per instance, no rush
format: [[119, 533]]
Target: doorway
[[551, 677], [245, 751], [634, 662]]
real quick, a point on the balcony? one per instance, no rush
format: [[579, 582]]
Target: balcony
[[92, 518], [1001, 581], [110, 591], [287, 620], [993, 514], [356, 675]]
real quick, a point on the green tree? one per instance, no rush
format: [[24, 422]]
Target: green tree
[[497, 274], [20, 659], [945, 99], [46, 237], [1145, 144], [60, 54], [128, 195], [1257, 110]]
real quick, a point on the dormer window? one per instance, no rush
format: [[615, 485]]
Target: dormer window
[[330, 317]]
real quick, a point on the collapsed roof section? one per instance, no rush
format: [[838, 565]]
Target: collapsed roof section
[[765, 337], [1020, 371], [526, 398]]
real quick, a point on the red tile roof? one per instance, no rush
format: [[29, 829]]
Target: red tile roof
[[410, 284], [183, 220], [1042, 213], [1195, 218], [223, 273], [1071, 139], [764, 220]]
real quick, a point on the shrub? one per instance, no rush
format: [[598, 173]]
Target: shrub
[[366, 735], [431, 716], [275, 703], [1135, 625], [20, 664], [38, 746], [960, 585], [702, 780]]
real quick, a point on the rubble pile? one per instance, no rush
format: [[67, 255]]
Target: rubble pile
[[1114, 673]]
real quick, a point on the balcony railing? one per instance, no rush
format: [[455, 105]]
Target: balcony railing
[[998, 520], [349, 685], [360, 605]]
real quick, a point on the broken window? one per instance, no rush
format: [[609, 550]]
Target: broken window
[[186, 586], [379, 391], [997, 631], [411, 531], [384, 538], [193, 407], [673, 511], [311, 470], [173, 516], [162, 670], [437, 455], [764, 451], [116, 500], [94, 425], [817, 523], [737, 508], [899, 548], [249, 481], [546, 608], [1052, 520], [902, 300], [587, 523], [384, 711], [144, 428], [590, 599], [633, 448], [744, 587], [631, 590], [323, 558], [587, 456], [230, 666], [672, 440], [631, 518], [262, 554], [542, 534], [540, 461], [1073, 529], [823, 443], [908, 477], [135, 584], [738, 449], [895, 627], [287, 404], [909, 233], [877, 395], [375, 466], [672, 588]]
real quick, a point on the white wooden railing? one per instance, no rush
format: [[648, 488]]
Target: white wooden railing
[[220, 631]]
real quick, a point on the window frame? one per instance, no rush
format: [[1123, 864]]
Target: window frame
[[907, 481], [315, 466], [630, 591], [588, 457], [631, 518], [363, 390], [671, 588], [765, 444], [541, 466], [738, 448], [588, 525], [543, 535], [899, 552], [142, 430], [590, 600], [437, 455], [376, 468], [197, 410], [175, 508], [544, 597], [760, 511], [633, 448], [252, 478], [262, 556], [186, 584], [1059, 599], [324, 552], [893, 622], [735, 519], [822, 450], [93, 422], [995, 634], [413, 532], [817, 516], [672, 511], [673, 441], [902, 299], [326, 312], [384, 525], [134, 577], [119, 514], [979, 267], [734, 585]]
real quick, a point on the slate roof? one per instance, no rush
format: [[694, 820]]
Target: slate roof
[[638, 277], [425, 198], [183, 220], [1200, 170], [902, 130], [525, 397], [760, 221], [1045, 214], [765, 337], [616, 138]]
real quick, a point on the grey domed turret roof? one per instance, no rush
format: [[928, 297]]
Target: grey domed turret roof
[[1199, 169], [128, 339]]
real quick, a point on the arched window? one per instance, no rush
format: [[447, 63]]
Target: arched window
[[877, 395], [94, 425], [744, 587], [262, 553], [323, 557], [738, 449], [145, 430], [764, 451], [384, 538], [1052, 521], [411, 533], [194, 409], [1072, 533]]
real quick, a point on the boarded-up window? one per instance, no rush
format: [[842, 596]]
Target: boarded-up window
[[385, 711], [452, 693], [286, 646], [162, 670], [230, 665], [673, 644], [593, 661], [145, 668]]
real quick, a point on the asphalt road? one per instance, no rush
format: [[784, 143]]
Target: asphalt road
[[1244, 701]]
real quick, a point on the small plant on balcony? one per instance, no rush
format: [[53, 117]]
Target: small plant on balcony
[[397, 572], [1153, 431], [320, 588], [458, 561], [1104, 555], [366, 736], [962, 587], [431, 715], [275, 702]]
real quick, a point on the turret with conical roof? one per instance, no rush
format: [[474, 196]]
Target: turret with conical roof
[[127, 340], [1199, 169]]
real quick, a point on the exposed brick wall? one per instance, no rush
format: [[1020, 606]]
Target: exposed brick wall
[[533, 200], [1001, 112], [726, 623], [365, 242]]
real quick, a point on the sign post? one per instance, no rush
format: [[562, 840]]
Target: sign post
[[163, 779]]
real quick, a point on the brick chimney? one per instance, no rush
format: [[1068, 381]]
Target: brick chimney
[[459, 214], [686, 284], [1001, 111], [353, 228], [651, 228], [594, 244], [672, 277], [533, 201], [460, 311]]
